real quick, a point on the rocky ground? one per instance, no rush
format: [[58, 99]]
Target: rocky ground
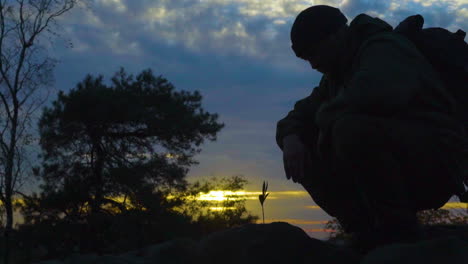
[[281, 242]]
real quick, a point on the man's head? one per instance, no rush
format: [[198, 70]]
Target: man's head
[[317, 35]]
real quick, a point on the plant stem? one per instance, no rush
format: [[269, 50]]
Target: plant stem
[[263, 213]]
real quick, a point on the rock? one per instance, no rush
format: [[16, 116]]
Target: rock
[[101, 260], [439, 231], [435, 251], [50, 262], [76, 259], [94, 259], [280, 242], [39, 252], [173, 251], [277, 242]]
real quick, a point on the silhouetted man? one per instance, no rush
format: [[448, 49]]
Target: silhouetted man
[[373, 143]]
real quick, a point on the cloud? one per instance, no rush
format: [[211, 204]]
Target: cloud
[[118, 5], [251, 29], [352, 8]]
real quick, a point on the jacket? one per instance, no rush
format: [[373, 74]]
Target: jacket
[[382, 74]]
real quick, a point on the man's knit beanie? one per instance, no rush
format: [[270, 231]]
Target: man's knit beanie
[[314, 24]]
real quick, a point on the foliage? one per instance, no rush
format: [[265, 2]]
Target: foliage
[[336, 230], [443, 216], [233, 211], [426, 217], [104, 233], [61, 229], [153, 221], [135, 137]]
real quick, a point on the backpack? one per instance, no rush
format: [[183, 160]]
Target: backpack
[[448, 54]]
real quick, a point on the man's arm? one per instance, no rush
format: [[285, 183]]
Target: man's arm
[[301, 120], [385, 79]]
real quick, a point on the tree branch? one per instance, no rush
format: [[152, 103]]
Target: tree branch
[[137, 133], [2, 187], [3, 133], [18, 164], [21, 13], [5, 103], [23, 195], [64, 9], [117, 204], [3, 34]]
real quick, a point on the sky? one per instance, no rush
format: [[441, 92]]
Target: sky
[[237, 54]]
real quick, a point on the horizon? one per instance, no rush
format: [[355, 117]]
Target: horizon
[[314, 219]]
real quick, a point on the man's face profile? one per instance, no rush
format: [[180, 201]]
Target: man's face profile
[[322, 56]]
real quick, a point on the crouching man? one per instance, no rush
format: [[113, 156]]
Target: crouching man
[[375, 142]]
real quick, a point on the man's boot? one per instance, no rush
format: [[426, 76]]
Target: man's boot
[[385, 215], [390, 219]]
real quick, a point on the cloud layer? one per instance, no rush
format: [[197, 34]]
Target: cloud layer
[[254, 28]]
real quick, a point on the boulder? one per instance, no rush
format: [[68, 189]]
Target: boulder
[[277, 242], [174, 251], [280, 242]]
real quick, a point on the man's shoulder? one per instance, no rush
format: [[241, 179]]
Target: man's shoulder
[[387, 36], [367, 24], [387, 42], [372, 31]]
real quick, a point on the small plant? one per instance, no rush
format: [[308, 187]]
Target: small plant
[[262, 197]]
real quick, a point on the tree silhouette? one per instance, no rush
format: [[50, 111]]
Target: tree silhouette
[[127, 140]]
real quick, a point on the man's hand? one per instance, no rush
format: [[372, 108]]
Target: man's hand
[[296, 157]]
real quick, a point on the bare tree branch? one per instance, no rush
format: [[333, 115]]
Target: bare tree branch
[[25, 196], [16, 172], [21, 25], [2, 194], [3, 132], [7, 108], [22, 73]]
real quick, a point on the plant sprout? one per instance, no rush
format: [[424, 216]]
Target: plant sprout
[[262, 197]]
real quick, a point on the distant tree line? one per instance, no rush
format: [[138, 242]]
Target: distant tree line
[[430, 217]]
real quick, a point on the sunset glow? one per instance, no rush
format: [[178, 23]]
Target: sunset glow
[[171, 156], [297, 221], [220, 195], [221, 208], [453, 205], [223, 195], [230, 195]]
